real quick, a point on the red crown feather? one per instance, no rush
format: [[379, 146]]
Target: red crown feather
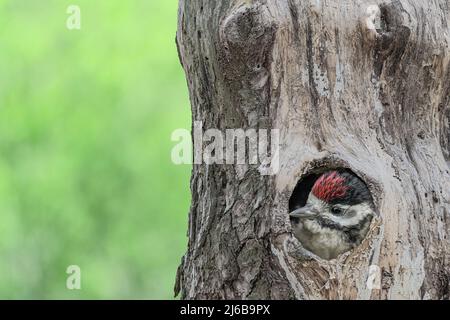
[[330, 186]]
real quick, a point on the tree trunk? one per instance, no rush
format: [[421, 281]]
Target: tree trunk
[[349, 86]]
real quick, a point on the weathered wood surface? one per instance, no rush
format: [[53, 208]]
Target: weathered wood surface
[[346, 87]]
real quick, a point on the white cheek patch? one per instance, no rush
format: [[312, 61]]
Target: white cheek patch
[[362, 210]]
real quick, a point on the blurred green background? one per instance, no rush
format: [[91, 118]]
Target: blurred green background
[[85, 172]]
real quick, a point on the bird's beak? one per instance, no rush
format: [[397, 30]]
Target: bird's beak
[[307, 211]]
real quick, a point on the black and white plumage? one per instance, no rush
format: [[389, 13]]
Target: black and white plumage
[[336, 217]]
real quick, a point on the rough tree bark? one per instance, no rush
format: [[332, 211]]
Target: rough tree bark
[[346, 89]]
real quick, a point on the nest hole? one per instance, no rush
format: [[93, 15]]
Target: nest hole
[[338, 219]]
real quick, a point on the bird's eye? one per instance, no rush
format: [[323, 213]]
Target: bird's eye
[[336, 211]]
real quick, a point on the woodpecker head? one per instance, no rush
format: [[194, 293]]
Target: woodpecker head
[[336, 217]]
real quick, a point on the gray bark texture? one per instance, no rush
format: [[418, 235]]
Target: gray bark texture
[[345, 89]]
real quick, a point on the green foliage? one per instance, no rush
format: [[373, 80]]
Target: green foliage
[[85, 171]]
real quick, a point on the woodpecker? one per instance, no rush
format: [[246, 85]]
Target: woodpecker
[[337, 215]]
